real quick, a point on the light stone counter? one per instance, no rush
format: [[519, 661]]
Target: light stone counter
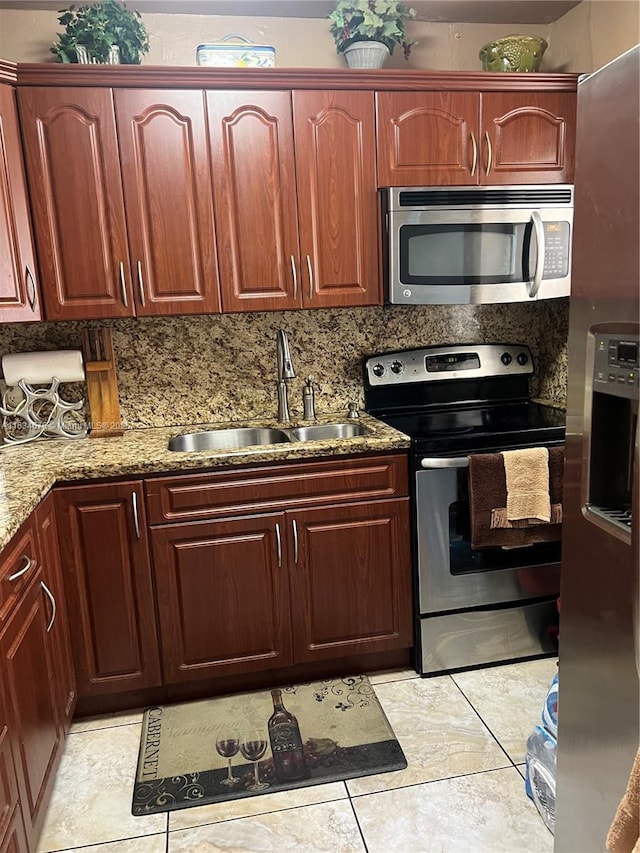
[[27, 472]]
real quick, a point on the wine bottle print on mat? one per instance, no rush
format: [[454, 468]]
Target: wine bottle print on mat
[[286, 743]]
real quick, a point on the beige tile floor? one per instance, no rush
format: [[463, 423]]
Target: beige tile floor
[[464, 738]]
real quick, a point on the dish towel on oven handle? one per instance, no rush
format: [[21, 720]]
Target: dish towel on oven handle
[[527, 475], [488, 498]]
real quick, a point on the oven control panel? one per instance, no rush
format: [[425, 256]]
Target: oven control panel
[[616, 369], [430, 364]]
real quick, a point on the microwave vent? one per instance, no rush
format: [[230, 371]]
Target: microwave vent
[[499, 197]]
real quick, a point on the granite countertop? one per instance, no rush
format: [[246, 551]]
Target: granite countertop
[[27, 472]]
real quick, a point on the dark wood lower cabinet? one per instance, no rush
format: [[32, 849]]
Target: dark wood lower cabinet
[[107, 575], [14, 839], [60, 637], [223, 597], [8, 784], [350, 579], [31, 702], [270, 590]]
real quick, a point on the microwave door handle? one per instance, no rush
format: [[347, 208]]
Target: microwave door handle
[[534, 284]]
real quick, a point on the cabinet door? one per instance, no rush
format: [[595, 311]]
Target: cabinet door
[[169, 200], [30, 695], [74, 179], [337, 198], [350, 579], [255, 198], [19, 298], [528, 137], [223, 597], [427, 138], [52, 575], [8, 784], [105, 558], [14, 840]]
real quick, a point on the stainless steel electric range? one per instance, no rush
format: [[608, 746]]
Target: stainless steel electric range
[[472, 606]]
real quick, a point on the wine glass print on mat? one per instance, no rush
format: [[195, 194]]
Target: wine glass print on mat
[[253, 747], [227, 745]]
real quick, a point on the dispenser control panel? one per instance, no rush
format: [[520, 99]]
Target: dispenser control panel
[[616, 368]]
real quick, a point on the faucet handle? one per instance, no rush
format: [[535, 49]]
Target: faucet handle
[[353, 410]]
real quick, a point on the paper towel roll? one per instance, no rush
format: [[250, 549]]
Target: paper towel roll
[[39, 368]]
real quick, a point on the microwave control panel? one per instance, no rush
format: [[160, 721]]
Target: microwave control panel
[[616, 369], [556, 249]]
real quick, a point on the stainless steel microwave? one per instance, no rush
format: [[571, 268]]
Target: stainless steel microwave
[[460, 245]]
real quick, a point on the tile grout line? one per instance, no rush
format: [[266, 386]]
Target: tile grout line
[[355, 815], [100, 843], [484, 723], [431, 781]]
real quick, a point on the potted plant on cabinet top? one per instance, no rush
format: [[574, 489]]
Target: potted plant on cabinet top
[[101, 33], [364, 29]]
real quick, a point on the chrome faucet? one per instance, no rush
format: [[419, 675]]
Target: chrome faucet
[[285, 372]]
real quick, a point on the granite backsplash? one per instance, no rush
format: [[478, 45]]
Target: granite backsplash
[[214, 368]]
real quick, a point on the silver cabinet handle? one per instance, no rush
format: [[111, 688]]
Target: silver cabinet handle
[[295, 541], [31, 291], [49, 595], [538, 227], [279, 545], [141, 284], [28, 564], [450, 462], [294, 273], [123, 286], [489, 152], [474, 162], [136, 520], [310, 277]]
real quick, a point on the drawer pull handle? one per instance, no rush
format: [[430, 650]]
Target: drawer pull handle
[[295, 541], [141, 284], [123, 285], [23, 570], [309, 268], [489, 152], [49, 595], [279, 545], [475, 153], [294, 273], [31, 290], [136, 520]]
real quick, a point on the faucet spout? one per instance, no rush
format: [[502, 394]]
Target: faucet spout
[[285, 372]]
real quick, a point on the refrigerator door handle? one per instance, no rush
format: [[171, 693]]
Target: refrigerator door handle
[[538, 227]]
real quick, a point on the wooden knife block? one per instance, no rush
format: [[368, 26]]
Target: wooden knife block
[[102, 383]]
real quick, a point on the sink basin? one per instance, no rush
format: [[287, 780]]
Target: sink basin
[[227, 439], [323, 432]]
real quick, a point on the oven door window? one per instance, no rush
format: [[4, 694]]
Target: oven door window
[[465, 253], [463, 559]]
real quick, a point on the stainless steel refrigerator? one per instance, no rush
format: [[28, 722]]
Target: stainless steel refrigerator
[[598, 670]]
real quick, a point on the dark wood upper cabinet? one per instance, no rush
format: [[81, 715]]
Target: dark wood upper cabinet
[[350, 579], [107, 573], [427, 138], [295, 194], [468, 138], [337, 198], [19, 298], [254, 178], [71, 151], [527, 137], [169, 200], [64, 675], [223, 597]]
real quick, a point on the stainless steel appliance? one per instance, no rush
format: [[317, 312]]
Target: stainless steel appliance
[[473, 606], [456, 245], [598, 731]]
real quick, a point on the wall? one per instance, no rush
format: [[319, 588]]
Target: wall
[[215, 368], [26, 36]]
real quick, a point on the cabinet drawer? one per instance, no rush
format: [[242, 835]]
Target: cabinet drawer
[[18, 565], [284, 486]]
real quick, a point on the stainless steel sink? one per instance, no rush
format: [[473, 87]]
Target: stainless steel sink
[[227, 439], [323, 432]]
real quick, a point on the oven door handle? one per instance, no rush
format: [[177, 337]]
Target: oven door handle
[[447, 462]]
